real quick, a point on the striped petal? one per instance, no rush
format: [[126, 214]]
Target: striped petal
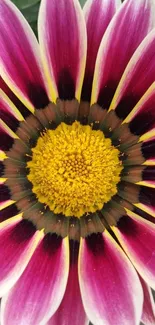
[[146, 200], [6, 203], [98, 15], [20, 63], [118, 45], [110, 288], [8, 112], [8, 212], [141, 196], [137, 77], [62, 35], [7, 136], [142, 118], [148, 315], [18, 240], [40, 289], [71, 309], [4, 87], [137, 237], [148, 151]]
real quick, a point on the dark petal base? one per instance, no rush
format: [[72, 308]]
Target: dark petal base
[[123, 137]]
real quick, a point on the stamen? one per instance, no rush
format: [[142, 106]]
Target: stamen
[[74, 169]]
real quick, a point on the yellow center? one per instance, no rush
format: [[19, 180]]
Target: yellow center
[[74, 169]]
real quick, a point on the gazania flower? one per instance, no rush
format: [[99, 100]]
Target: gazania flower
[[77, 231]]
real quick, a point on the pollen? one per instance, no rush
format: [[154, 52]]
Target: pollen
[[74, 169]]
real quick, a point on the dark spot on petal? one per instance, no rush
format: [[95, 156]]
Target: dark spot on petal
[[148, 149], [95, 244], [66, 86], [125, 107], [147, 196], [127, 226], [4, 193], [9, 119], [87, 87], [1, 169], [142, 123], [149, 173], [106, 95], [23, 231], [74, 251], [52, 243], [8, 212], [38, 96], [6, 141]]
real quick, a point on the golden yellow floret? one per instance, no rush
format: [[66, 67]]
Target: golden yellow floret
[[74, 169]]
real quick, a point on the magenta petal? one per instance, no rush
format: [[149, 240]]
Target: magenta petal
[[62, 35], [128, 28], [142, 118], [20, 63], [137, 237], [137, 77], [40, 289], [110, 288], [98, 15], [148, 315], [18, 240], [71, 310]]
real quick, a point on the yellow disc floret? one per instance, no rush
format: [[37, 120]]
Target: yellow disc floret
[[74, 169]]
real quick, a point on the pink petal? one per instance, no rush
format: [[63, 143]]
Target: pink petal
[[137, 237], [110, 288], [18, 240], [130, 25], [20, 62], [137, 77], [148, 315], [62, 35], [71, 309], [98, 15], [40, 289]]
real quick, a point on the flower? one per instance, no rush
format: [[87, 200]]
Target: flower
[[77, 231]]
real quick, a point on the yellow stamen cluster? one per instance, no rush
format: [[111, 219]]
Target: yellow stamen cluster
[[74, 169]]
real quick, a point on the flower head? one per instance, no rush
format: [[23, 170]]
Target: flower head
[[77, 152]]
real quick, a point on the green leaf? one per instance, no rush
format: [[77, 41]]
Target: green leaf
[[30, 8], [82, 2]]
